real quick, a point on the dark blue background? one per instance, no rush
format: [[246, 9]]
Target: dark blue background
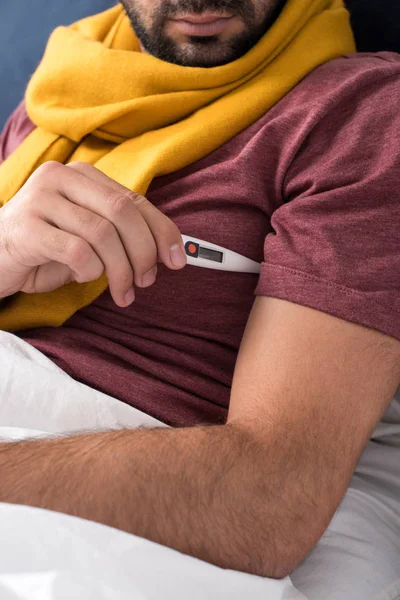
[[26, 24]]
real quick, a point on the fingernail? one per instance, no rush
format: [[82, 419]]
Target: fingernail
[[178, 256], [149, 277], [130, 296]]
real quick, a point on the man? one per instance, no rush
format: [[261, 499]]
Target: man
[[237, 122]]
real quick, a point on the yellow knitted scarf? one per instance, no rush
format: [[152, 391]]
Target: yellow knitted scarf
[[97, 98]]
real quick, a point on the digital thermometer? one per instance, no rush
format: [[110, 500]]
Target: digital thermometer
[[209, 256]]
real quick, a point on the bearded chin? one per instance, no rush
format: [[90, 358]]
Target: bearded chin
[[197, 51]]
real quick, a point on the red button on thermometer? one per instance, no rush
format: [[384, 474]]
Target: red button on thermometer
[[209, 256]]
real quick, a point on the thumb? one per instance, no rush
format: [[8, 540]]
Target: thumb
[[47, 277]]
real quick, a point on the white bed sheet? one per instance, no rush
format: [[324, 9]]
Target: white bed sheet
[[50, 556]]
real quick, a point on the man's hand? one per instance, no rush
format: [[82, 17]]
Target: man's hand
[[72, 223]]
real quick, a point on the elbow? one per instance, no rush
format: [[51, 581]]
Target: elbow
[[262, 550], [278, 546], [278, 555], [262, 564], [271, 525], [266, 562], [285, 566], [256, 545]]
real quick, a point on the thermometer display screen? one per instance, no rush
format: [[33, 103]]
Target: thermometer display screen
[[213, 255]]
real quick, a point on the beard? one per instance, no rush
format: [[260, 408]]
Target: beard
[[198, 51]]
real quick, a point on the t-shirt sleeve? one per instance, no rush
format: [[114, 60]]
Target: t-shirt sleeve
[[17, 128], [335, 245]]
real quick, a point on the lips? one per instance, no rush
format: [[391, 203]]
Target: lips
[[207, 24], [206, 17]]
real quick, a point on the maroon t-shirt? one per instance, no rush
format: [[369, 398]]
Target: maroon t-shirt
[[312, 189]]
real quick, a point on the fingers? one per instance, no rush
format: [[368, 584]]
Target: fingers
[[164, 231], [119, 231], [102, 238], [51, 244], [119, 210], [47, 278]]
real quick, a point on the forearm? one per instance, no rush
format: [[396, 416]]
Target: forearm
[[196, 490]]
